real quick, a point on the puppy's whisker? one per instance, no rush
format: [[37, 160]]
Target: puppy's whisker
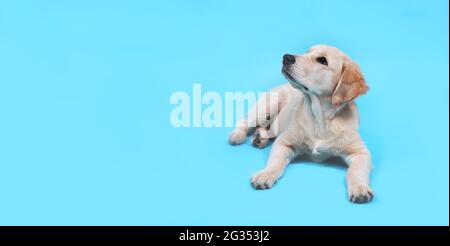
[[298, 71]]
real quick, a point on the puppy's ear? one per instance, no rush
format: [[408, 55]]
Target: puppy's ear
[[351, 84]]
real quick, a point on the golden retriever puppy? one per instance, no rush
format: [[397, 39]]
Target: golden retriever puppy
[[313, 115]]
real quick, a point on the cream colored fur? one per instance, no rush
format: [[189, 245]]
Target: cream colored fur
[[313, 115]]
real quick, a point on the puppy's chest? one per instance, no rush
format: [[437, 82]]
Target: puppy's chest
[[316, 136], [316, 147]]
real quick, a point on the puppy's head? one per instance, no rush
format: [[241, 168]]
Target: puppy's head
[[325, 71]]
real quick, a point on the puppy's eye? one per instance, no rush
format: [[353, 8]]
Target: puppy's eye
[[322, 60]]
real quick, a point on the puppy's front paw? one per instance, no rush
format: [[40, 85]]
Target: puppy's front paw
[[238, 136], [264, 179], [360, 193]]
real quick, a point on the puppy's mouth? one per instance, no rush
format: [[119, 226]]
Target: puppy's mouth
[[293, 81]]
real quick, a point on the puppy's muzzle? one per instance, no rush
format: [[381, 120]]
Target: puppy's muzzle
[[288, 61]]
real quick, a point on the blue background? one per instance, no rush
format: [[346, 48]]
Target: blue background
[[85, 137]]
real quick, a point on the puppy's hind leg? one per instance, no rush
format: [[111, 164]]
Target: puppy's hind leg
[[239, 134], [260, 115]]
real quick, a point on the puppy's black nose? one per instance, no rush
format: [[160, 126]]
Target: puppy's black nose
[[288, 59]]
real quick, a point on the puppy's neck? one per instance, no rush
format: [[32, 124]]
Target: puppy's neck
[[321, 110]]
